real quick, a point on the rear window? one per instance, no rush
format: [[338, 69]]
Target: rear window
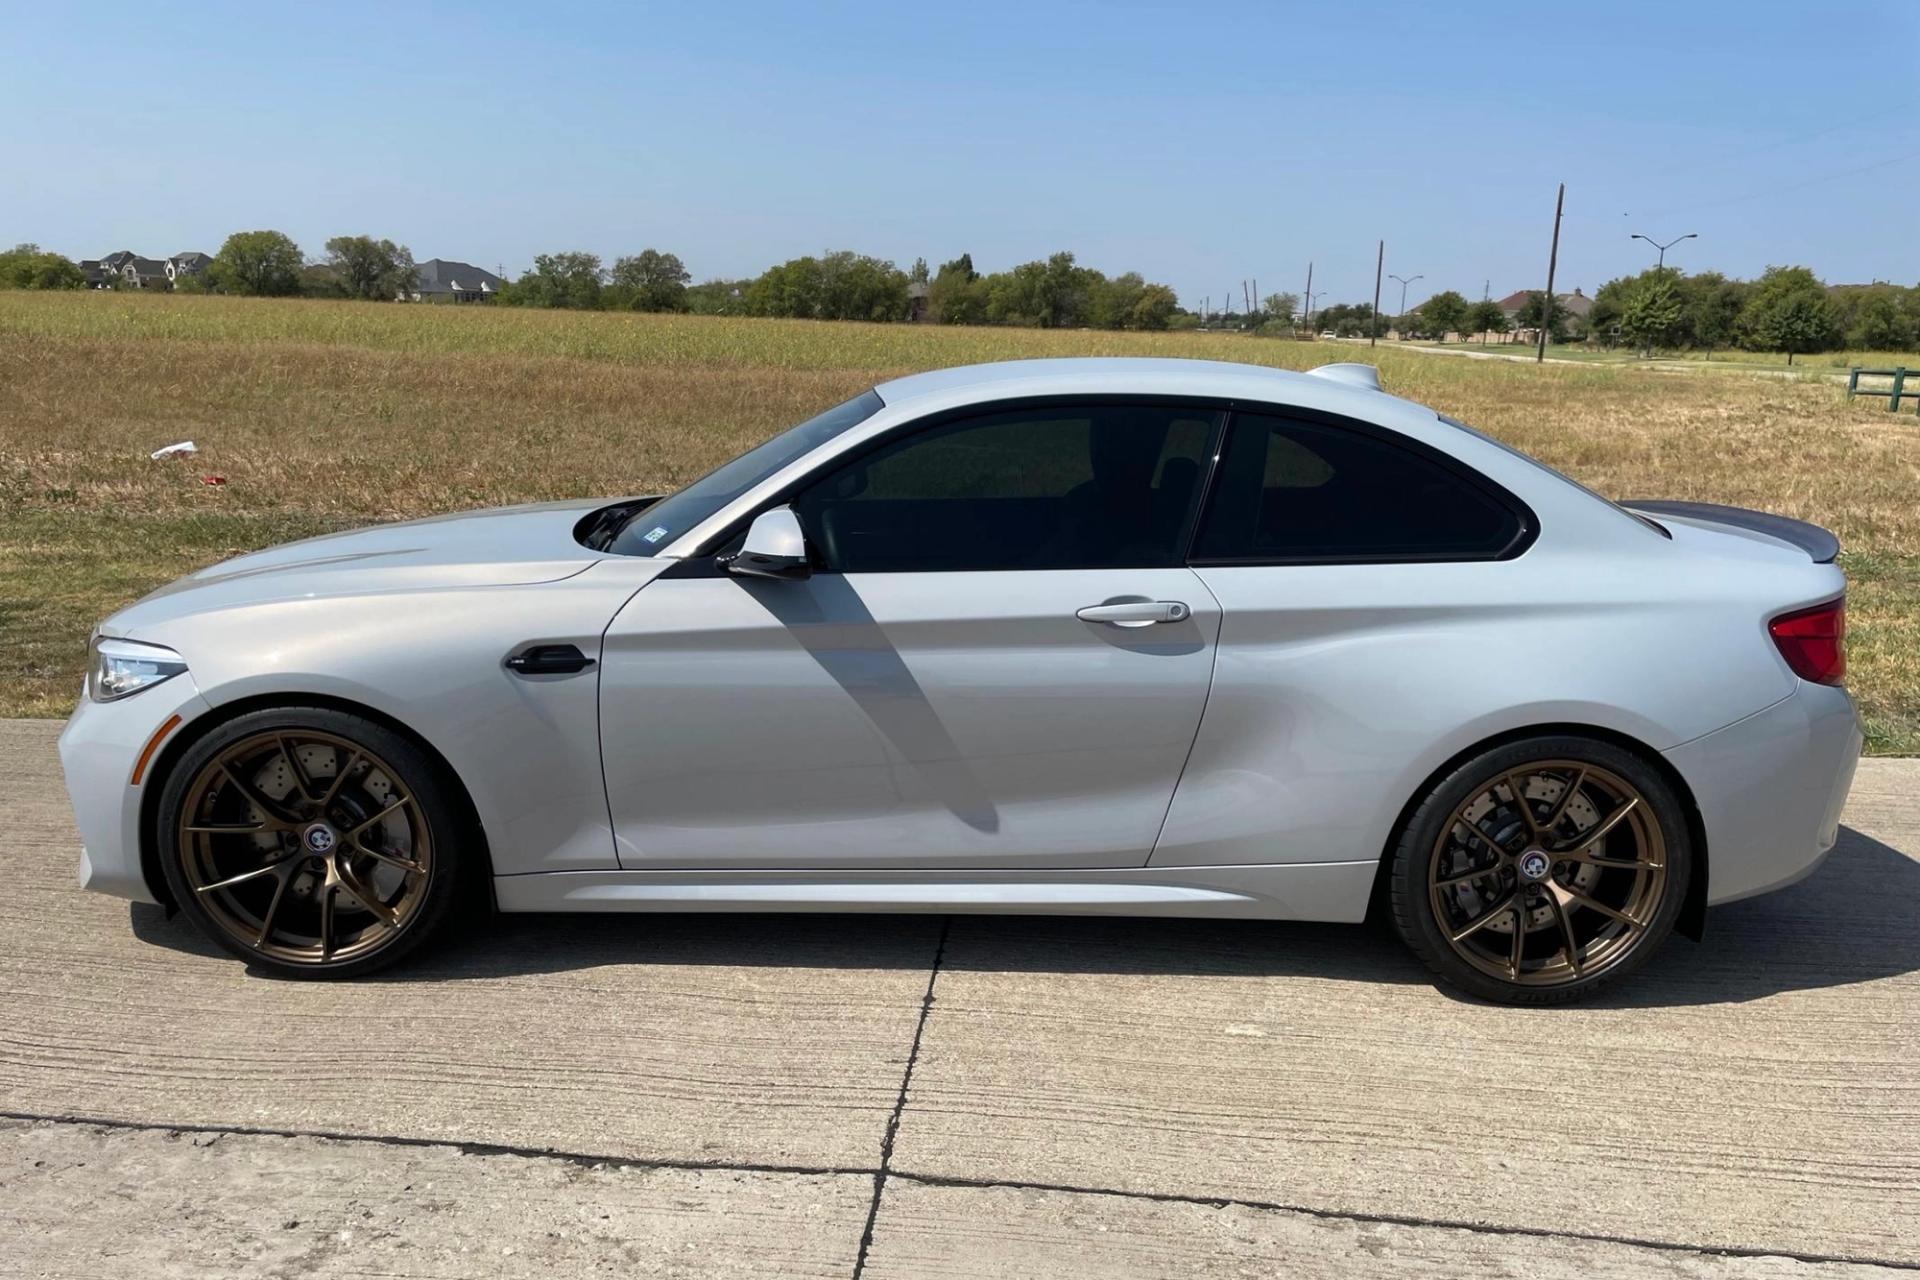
[[1296, 490]]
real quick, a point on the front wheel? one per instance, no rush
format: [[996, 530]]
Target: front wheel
[[311, 841], [1541, 871]]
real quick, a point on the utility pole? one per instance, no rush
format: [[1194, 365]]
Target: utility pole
[[1553, 261], [1258, 305], [1373, 329], [1306, 300]]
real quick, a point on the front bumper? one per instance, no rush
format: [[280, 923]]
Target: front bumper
[[98, 751], [1770, 789]]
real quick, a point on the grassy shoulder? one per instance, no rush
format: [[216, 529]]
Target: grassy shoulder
[[321, 416]]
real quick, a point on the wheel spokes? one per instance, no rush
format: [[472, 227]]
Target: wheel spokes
[[277, 896], [1513, 889], [1598, 831], [1486, 918]]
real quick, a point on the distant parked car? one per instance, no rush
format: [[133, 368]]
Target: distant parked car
[[1063, 636]]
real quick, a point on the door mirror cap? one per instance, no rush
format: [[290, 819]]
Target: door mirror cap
[[775, 548]]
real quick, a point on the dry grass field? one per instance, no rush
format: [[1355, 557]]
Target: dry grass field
[[325, 415]]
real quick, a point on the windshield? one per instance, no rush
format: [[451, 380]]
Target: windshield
[[647, 530]]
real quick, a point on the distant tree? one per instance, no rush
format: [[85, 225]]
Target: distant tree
[[1445, 312], [1054, 294], [956, 294], [566, 280], [1281, 308], [1789, 311], [28, 266], [919, 273], [1880, 318], [1485, 317], [372, 269], [322, 280], [257, 264], [649, 281], [718, 297], [1154, 308], [1711, 308], [841, 285], [1651, 313]]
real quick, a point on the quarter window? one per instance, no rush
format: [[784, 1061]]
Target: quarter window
[[1291, 489], [1054, 487]]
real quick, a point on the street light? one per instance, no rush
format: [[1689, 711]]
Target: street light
[[1691, 235], [1404, 282]]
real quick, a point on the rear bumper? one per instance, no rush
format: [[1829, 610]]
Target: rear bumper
[[98, 750], [1770, 789]]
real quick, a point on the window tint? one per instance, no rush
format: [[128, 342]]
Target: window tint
[[1296, 490], [1075, 487]]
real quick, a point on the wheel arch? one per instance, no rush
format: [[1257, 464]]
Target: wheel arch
[[195, 730], [1693, 911]]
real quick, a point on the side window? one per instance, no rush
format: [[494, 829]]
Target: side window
[[1092, 486], [1291, 489]]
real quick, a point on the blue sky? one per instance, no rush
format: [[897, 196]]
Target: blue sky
[[1198, 144]]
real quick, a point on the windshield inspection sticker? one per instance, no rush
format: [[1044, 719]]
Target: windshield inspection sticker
[[656, 533]]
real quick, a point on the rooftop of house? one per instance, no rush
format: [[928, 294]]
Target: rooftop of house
[[443, 275]]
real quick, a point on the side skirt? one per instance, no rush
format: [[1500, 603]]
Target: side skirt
[[1336, 892]]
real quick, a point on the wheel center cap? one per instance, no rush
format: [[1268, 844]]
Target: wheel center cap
[[1534, 865], [319, 838]]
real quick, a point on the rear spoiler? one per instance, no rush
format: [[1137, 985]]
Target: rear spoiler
[[1810, 538]]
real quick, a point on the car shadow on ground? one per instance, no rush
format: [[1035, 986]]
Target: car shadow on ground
[[1850, 922]]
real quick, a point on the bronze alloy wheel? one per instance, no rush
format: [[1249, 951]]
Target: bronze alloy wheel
[[1551, 874], [305, 847]]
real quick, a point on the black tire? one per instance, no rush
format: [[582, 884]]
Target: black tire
[[1657, 833], [429, 797]]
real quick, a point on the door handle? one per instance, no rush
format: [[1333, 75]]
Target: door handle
[[1136, 613], [548, 660]]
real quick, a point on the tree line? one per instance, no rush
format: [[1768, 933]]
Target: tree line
[[1787, 309]]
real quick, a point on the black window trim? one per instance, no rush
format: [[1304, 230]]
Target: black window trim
[[703, 561], [1527, 524]]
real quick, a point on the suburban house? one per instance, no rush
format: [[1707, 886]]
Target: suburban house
[[438, 280], [1576, 304], [128, 270], [192, 263]]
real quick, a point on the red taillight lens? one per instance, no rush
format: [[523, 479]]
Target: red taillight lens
[[1814, 641]]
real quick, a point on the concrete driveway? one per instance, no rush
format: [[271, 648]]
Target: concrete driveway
[[916, 1096]]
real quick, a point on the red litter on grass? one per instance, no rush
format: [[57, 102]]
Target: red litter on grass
[[213, 479]]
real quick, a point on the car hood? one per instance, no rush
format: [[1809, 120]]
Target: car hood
[[505, 546]]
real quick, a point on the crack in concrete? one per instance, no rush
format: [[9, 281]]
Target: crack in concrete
[[885, 1173], [900, 1104]]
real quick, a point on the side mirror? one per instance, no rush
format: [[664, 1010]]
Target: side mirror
[[775, 548]]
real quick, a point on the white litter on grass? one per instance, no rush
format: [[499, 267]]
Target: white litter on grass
[[174, 450]]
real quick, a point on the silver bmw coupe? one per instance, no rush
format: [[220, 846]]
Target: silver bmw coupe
[[1147, 637]]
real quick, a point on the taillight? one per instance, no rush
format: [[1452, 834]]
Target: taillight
[[1814, 641]]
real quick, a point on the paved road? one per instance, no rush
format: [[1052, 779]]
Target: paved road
[[979, 1097]]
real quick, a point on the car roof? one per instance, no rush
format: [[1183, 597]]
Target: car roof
[[1137, 375]]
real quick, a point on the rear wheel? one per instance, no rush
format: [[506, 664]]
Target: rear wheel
[[1542, 870], [311, 841]]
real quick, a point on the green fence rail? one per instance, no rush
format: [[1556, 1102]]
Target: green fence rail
[[1894, 393]]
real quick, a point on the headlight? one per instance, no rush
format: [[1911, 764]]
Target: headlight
[[121, 668]]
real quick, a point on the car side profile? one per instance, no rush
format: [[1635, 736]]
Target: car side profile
[[1126, 637]]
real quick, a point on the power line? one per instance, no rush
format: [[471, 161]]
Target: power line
[[1792, 186]]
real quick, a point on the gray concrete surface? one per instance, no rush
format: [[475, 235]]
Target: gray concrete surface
[[1080, 1097]]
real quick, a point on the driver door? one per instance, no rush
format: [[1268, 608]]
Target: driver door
[[964, 681]]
